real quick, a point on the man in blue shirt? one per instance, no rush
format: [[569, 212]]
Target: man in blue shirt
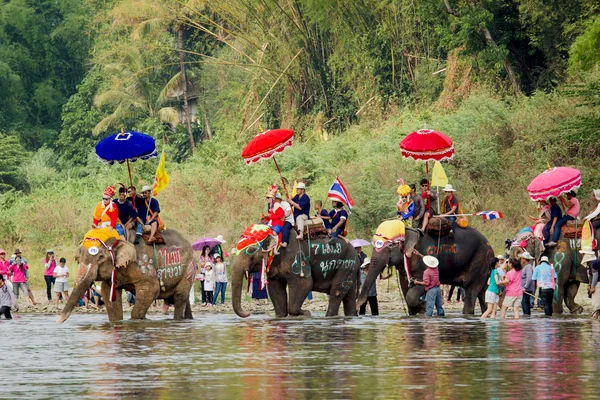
[[127, 214], [555, 215], [148, 211], [301, 204], [339, 216], [545, 276]]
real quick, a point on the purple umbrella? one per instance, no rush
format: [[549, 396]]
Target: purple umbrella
[[200, 243], [359, 243]]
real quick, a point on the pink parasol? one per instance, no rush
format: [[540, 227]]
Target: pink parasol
[[266, 144], [553, 182], [427, 145]]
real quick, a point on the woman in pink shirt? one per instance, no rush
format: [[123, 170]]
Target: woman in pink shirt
[[19, 280], [4, 264], [49, 265], [514, 291]]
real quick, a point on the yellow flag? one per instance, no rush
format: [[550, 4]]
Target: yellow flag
[[438, 176], [294, 189], [162, 178]]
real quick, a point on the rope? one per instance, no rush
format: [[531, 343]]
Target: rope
[[404, 305]]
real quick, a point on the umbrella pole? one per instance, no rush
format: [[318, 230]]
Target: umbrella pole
[[129, 171], [427, 167], [282, 181]]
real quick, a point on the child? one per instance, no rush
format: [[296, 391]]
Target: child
[[323, 214], [492, 293], [61, 273], [514, 291], [209, 283], [7, 299]]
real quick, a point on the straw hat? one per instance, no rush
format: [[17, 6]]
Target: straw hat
[[431, 262], [146, 188], [501, 257], [300, 185], [221, 239], [525, 255], [449, 188], [544, 259], [365, 263], [597, 194]]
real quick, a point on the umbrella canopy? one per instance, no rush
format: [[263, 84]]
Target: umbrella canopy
[[266, 144], [126, 146], [359, 243], [553, 182], [200, 243], [427, 145]]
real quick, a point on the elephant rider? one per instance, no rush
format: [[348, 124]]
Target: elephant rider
[[405, 208], [148, 211], [288, 223], [571, 204], [430, 200], [339, 218], [555, 215], [594, 216], [419, 213], [135, 200], [277, 218], [106, 213], [301, 204], [450, 205], [126, 212], [542, 219]]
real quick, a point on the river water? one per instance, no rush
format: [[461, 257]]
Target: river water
[[221, 356]]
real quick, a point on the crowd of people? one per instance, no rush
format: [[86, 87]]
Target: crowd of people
[[212, 274]]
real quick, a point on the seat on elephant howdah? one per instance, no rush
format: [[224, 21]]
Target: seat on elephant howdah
[[315, 229], [572, 230], [439, 226]]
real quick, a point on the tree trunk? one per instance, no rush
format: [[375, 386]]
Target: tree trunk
[[186, 110], [206, 124]]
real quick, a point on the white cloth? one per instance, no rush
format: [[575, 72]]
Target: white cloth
[[288, 212], [221, 272], [594, 213], [60, 271], [209, 281]]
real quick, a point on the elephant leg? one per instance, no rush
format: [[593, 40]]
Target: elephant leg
[[144, 297], [114, 309], [188, 310], [471, 296], [557, 299], [182, 298], [481, 298], [413, 300], [298, 291], [278, 294], [570, 293], [349, 303]]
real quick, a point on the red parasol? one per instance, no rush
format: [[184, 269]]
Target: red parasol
[[427, 145], [266, 144], [553, 182]]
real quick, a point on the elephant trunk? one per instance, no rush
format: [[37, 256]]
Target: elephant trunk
[[85, 276], [237, 279], [378, 263]]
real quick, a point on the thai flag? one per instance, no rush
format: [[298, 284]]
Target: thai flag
[[490, 214], [338, 192]]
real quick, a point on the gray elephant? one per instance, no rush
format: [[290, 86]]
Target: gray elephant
[[463, 261], [164, 272], [331, 266]]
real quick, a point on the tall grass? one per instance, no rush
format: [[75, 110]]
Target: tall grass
[[500, 147]]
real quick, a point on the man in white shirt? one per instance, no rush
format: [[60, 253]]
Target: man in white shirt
[[289, 221], [61, 285]]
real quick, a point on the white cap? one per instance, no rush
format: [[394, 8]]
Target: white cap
[[431, 262]]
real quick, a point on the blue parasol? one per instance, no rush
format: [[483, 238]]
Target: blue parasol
[[125, 147]]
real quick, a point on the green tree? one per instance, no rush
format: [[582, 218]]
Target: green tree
[[12, 157]]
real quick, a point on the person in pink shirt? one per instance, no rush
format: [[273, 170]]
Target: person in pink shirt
[[4, 264], [571, 205], [431, 281], [49, 265], [19, 280], [514, 290]]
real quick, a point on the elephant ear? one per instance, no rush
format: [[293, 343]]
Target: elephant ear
[[124, 254]]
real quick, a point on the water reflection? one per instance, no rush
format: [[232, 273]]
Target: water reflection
[[222, 356]]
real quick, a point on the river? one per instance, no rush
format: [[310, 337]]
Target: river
[[220, 356]]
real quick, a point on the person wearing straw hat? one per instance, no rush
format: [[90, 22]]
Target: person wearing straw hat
[[527, 283], [149, 212], [301, 204], [431, 281], [217, 249], [545, 277], [450, 205], [594, 216]]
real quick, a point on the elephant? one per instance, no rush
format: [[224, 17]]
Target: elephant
[[164, 272], [463, 261], [566, 260], [331, 267]]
